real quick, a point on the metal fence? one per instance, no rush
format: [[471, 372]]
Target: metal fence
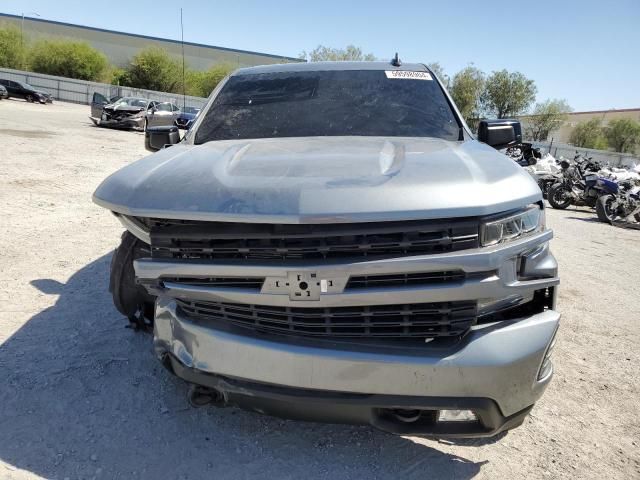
[[81, 91], [612, 159]]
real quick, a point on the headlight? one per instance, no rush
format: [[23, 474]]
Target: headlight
[[517, 225]]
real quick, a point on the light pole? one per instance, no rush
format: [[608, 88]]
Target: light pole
[[22, 28], [184, 86]]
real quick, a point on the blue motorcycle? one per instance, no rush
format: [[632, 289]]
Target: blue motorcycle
[[621, 206], [580, 186]]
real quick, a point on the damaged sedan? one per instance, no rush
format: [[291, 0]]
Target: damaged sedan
[[330, 242], [132, 112]]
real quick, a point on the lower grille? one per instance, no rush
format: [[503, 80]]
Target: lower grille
[[228, 282], [423, 320]]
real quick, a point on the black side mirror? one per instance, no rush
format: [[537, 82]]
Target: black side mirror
[[157, 138], [500, 133]]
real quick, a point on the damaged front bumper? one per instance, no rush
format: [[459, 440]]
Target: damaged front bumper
[[493, 373], [124, 123], [497, 370]]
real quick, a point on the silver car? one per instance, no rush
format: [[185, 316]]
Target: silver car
[[330, 242], [132, 112]]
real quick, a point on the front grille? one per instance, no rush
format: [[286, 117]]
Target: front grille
[[242, 241], [422, 320], [404, 279], [118, 115], [354, 283]]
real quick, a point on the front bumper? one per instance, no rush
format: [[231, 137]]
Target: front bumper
[[137, 123], [493, 370], [352, 408]]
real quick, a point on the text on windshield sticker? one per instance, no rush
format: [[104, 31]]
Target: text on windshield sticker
[[404, 74]]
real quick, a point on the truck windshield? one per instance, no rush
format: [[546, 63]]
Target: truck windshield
[[328, 103]]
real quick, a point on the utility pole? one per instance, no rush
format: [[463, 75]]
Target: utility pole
[[184, 86]]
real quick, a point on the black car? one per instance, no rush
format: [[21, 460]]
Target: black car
[[26, 91]]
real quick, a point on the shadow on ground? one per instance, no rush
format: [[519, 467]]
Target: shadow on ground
[[82, 396], [593, 219]]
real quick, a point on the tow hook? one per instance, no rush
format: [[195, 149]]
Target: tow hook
[[199, 396]]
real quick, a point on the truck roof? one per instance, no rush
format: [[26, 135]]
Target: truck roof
[[324, 66]]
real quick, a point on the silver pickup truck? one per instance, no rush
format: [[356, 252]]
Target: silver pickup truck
[[329, 242]]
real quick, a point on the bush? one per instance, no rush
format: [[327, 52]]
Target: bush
[[202, 83], [589, 134], [68, 59], [153, 69], [12, 51], [623, 135]]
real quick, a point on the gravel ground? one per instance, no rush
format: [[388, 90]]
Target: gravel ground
[[83, 397]]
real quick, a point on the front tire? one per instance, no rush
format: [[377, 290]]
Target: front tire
[[605, 208], [29, 98], [559, 197], [130, 299]]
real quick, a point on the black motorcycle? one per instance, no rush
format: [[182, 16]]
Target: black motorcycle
[[524, 154], [579, 185], [546, 181]]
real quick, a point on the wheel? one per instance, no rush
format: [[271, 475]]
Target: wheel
[[29, 98], [130, 299], [605, 208], [559, 197]]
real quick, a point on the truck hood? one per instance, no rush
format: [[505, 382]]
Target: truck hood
[[319, 180]]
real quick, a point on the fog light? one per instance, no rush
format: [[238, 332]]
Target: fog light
[[456, 416], [547, 367]]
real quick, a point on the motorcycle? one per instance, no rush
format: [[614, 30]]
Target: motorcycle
[[621, 206], [580, 185], [527, 156], [524, 154], [546, 181]]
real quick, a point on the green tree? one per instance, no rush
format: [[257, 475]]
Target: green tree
[[153, 69], [623, 135], [589, 134], [116, 76], [324, 54], [202, 83], [68, 59], [466, 89], [546, 117], [436, 68], [508, 94], [12, 51]]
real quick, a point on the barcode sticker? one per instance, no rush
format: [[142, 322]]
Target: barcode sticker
[[407, 75]]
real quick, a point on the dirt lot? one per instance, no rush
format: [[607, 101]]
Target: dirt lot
[[83, 397]]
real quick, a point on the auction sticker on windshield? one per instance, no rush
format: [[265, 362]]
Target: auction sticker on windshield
[[408, 75]]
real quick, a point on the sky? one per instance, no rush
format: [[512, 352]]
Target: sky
[[587, 52]]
